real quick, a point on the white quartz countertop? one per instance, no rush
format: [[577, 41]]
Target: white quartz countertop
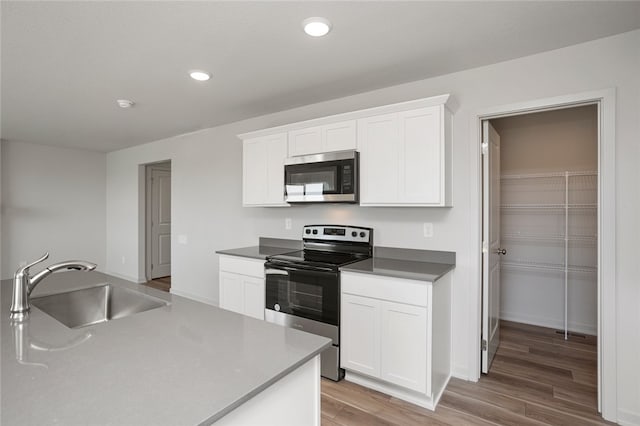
[[184, 364]]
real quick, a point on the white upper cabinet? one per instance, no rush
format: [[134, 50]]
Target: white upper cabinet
[[327, 138], [379, 159], [405, 153], [405, 158], [263, 170]]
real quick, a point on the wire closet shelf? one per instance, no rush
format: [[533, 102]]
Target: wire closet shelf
[[569, 196]]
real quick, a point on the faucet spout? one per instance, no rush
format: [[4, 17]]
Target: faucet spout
[[24, 283], [69, 265]]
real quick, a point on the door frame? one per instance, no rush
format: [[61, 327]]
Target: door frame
[[607, 338], [162, 165]]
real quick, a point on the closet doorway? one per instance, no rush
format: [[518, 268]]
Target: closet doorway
[[540, 250]]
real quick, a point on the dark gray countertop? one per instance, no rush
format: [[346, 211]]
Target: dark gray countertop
[[413, 270], [423, 265], [183, 364], [266, 247], [255, 252]]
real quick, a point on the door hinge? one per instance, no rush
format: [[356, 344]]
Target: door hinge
[[484, 247], [484, 345], [485, 148], [152, 266]]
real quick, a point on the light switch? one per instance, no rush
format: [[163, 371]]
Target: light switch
[[182, 239], [428, 229], [287, 223]]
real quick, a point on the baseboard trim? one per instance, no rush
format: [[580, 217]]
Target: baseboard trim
[[125, 277], [461, 372], [628, 418], [544, 322], [416, 398], [194, 297]]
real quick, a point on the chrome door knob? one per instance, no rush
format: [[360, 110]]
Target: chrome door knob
[[501, 251]]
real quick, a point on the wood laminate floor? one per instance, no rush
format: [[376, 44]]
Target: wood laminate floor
[[537, 378], [163, 283]]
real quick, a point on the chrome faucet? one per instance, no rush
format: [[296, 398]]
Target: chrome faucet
[[24, 283]]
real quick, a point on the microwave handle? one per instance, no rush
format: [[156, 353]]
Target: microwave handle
[[275, 272]]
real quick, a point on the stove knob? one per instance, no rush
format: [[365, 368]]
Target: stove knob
[[315, 231], [354, 234], [307, 231], [362, 234]]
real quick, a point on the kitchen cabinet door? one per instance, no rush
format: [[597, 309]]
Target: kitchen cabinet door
[[360, 334], [421, 156], [276, 154], [339, 136], [379, 146], [254, 297], [231, 292], [405, 158], [403, 343], [305, 141], [327, 138], [263, 170]]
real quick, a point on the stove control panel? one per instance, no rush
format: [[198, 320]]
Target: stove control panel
[[337, 233]]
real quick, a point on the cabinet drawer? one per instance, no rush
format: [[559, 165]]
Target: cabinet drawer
[[399, 290], [242, 265]]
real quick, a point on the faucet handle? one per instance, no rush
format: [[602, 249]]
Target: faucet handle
[[26, 268]]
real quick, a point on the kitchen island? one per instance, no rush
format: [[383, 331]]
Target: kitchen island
[[185, 363]]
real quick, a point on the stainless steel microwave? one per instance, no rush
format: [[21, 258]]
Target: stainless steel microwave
[[330, 177]]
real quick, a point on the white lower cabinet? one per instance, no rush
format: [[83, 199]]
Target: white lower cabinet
[[240, 292], [396, 335], [360, 327], [403, 338]]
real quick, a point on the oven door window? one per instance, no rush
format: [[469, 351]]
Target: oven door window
[[303, 293]]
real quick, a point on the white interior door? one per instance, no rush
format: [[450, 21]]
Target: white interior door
[[160, 223], [491, 250]]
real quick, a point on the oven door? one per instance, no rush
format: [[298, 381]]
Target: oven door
[[309, 293]]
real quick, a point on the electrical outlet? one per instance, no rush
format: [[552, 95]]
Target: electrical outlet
[[182, 239], [428, 229], [124, 260], [287, 223]]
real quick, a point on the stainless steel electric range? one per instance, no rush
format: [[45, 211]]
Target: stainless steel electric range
[[303, 287]]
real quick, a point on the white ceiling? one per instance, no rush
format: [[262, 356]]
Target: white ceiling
[[64, 64]]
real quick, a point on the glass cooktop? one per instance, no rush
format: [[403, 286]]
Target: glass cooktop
[[320, 258]]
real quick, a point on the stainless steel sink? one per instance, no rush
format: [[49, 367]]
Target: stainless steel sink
[[94, 305]]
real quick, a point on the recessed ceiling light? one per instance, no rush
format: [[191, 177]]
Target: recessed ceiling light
[[200, 75], [316, 27], [125, 103]]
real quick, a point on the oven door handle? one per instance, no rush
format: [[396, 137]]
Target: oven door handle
[[275, 272]]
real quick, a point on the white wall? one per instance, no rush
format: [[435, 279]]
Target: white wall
[[53, 199], [206, 188]]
